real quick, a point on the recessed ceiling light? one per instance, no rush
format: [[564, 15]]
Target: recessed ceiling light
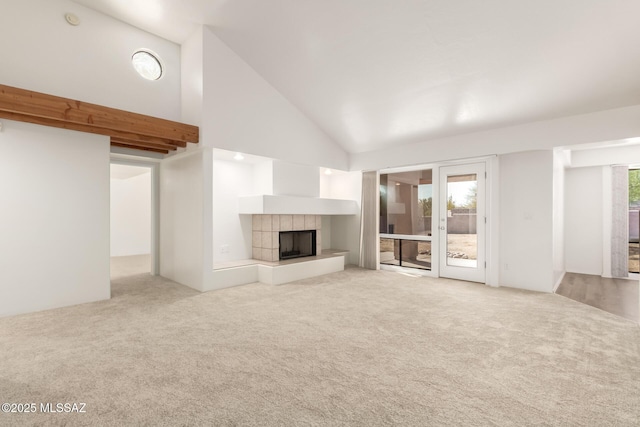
[[147, 64], [238, 156]]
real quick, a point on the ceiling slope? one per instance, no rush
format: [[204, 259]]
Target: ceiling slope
[[375, 73]]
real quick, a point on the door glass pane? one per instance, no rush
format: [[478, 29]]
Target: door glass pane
[[462, 237], [406, 203], [416, 254], [405, 253], [389, 251]]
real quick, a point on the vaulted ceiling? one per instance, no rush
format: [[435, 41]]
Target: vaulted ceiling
[[377, 73]]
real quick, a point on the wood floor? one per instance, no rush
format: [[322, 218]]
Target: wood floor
[[617, 296]]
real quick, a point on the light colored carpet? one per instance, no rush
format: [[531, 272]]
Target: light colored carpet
[[357, 348], [126, 266]]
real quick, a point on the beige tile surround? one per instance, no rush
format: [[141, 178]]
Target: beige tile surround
[[266, 229]]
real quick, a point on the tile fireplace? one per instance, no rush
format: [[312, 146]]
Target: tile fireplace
[[268, 232]]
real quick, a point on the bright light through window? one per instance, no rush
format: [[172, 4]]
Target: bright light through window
[[147, 65]]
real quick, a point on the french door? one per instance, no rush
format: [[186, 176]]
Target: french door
[[462, 222]]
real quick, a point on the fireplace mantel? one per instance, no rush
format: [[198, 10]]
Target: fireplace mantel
[[290, 205]]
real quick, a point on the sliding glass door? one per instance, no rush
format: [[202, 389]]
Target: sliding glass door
[[406, 200]]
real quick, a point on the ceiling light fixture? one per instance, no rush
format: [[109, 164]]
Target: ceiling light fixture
[[72, 19], [238, 156], [147, 64]]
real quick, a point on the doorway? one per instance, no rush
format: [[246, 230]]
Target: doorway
[[462, 222], [433, 220], [133, 219]]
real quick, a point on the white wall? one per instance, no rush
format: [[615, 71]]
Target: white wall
[[607, 155], [606, 125], [182, 219], [588, 198], [192, 91], [290, 179], [54, 220], [231, 231], [131, 215], [90, 62], [262, 178], [558, 206], [526, 220], [344, 229], [325, 232], [584, 220], [250, 116], [231, 179]]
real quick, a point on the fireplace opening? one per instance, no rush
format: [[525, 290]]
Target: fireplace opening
[[296, 244]]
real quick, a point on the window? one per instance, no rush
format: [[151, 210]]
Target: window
[[406, 201], [147, 64]]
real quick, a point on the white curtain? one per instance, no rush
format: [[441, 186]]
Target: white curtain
[[620, 221], [369, 221]]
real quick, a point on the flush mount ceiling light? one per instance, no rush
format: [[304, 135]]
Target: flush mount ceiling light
[[147, 64], [72, 19], [238, 156]]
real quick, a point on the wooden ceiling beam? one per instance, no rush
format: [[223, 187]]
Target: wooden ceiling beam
[[38, 108], [141, 144], [135, 147], [131, 138]]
